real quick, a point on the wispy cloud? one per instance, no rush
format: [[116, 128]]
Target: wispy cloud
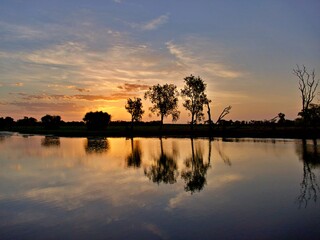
[[87, 97], [130, 87], [45, 107], [155, 23], [203, 60], [21, 32], [152, 24]]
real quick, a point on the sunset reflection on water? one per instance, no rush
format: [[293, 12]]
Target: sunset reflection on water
[[157, 188]]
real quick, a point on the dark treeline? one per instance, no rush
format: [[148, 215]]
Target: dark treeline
[[164, 100]]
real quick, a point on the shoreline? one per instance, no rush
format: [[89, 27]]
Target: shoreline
[[175, 130]]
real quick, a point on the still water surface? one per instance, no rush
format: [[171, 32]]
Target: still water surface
[[151, 188]]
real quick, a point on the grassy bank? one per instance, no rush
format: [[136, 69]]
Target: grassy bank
[[175, 130]]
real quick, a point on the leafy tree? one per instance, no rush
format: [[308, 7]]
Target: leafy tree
[[195, 97], [307, 86], [165, 101], [97, 120], [27, 121], [313, 113], [6, 122], [51, 122], [134, 107]]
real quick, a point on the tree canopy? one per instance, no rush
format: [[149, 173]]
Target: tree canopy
[[97, 120], [134, 107], [49, 121], [195, 97], [165, 100]]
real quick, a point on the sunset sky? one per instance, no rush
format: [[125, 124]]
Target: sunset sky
[[73, 56]]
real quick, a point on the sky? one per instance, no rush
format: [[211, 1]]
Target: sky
[[70, 57]]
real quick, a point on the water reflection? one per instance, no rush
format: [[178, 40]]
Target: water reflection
[[134, 158], [309, 187], [58, 192], [223, 155], [195, 170], [50, 141], [97, 145], [4, 136], [164, 168]]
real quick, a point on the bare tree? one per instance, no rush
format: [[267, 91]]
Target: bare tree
[[307, 85], [209, 121], [224, 112]]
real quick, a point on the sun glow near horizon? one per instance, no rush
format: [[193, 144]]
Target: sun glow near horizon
[[69, 67]]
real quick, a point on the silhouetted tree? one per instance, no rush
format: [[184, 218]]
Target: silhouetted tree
[[209, 121], [224, 113], [165, 101], [6, 122], [51, 122], [134, 159], [281, 118], [195, 170], [194, 95], [307, 86], [97, 120], [134, 107], [164, 169], [27, 121], [313, 113]]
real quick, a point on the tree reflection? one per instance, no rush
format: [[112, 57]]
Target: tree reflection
[[222, 154], [134, 159], [97, 145], [4, 136], [195, 170], [309, 154], [164, 169], [50, 141]]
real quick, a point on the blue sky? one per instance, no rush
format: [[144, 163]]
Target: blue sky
[[70, 57]]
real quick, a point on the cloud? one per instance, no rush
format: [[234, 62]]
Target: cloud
[[130, 87], [150, 25], [155, 23], [22, 32], [79, 89], [114, 96], [200, 56], [44, 107]]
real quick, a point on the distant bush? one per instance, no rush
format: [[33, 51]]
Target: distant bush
[[97, 120], [27, 121], [51, 122], [6, 122]]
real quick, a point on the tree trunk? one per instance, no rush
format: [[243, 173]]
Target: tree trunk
[[161, 122], [132, 125], [192, 121]]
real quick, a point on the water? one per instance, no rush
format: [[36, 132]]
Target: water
[[150, 188]]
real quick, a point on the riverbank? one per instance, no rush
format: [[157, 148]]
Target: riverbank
[[175, 130]]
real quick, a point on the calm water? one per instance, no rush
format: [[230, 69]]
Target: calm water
[[150, 188]]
